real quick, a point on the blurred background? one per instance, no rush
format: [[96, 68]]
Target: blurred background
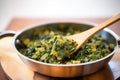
[[56, 9]]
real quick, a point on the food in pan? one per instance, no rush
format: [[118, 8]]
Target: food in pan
[[49, 46]]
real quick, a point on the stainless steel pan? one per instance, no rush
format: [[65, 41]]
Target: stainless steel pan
[[63, 70]]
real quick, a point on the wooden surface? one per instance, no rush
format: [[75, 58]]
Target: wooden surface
[[17, 70]]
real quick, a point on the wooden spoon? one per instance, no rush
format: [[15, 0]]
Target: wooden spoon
[[80, 38]]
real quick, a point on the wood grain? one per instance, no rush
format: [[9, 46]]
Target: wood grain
[[12, 64]]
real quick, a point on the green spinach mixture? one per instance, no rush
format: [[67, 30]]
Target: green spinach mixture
[[49, 46]]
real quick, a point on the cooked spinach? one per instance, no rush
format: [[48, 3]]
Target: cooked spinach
[[50, 47]]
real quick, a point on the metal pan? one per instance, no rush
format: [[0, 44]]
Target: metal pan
[[63, 70]]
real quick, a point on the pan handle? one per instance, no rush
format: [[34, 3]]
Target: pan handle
[[7, 33], [119, 42]]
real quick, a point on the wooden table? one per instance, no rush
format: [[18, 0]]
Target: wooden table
[[111, 71]]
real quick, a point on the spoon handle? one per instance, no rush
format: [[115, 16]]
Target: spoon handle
[[105, 24]]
